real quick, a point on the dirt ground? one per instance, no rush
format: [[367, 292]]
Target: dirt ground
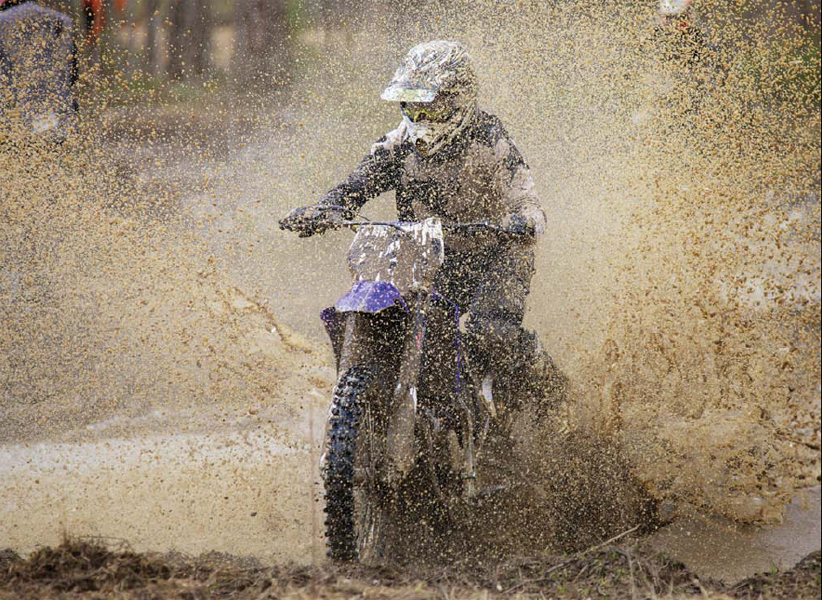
[[88, 569]]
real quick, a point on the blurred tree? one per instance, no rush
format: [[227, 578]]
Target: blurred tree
[[261, 54], [153, 17], [188, 38], [337, 14], [94, 15]]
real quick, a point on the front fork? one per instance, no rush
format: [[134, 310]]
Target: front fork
[[360, 344], [402, 415], [366, 339]]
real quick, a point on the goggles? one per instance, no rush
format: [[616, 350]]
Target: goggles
[[439, 111]]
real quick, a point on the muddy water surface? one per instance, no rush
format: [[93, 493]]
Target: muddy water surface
[[249, 490], [720, 549]]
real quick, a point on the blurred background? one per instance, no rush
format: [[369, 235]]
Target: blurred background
[[157, 51], [266, 40]]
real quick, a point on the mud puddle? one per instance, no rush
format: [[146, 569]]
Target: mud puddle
[[248, 488], [717, 548]]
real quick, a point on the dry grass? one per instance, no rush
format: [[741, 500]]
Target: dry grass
[[92, 569]]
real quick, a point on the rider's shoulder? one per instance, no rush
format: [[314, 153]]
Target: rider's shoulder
[[31, 10], [489, 130]]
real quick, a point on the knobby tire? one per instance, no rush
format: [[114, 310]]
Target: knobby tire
[[344, 423]]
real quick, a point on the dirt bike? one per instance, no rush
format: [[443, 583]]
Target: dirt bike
[[405, 400]]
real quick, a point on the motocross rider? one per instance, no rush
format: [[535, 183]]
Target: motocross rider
[[450, 159]]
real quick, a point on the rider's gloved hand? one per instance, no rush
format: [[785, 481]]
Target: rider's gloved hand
[[315, 218], [519, 225]]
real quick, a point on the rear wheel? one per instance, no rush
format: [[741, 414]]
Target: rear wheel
[[356, 509]]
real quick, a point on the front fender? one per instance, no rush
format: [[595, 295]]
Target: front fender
[[370, 297]]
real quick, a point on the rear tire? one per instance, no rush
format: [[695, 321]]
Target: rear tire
[[356, 516]]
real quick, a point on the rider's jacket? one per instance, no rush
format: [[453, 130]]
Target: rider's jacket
[[480, 176]]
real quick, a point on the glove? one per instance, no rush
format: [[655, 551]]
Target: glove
[[518, 225], [316, 218]]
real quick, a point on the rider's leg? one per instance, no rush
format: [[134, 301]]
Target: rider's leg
[[498, 345], [490, 289], [497, 307]]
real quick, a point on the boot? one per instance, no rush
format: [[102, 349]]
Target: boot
[[543, 384]]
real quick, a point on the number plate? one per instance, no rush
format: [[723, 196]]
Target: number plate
[[407, 256]]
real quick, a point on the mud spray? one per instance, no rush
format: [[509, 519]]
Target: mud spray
[[163, 373]]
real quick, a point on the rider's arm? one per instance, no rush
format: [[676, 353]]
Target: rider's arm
[[516, 187], [377, 173]]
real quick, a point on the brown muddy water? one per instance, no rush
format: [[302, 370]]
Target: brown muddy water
[[241, 490], [164, 375]]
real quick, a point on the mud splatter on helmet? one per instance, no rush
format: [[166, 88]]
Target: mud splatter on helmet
[[437, 91]]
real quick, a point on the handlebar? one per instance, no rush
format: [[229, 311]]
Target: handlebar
[[464, 228], [318, 224]]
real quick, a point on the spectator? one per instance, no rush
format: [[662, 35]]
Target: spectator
[[38, 69]]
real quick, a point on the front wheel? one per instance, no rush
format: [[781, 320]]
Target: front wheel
[[356, 509]]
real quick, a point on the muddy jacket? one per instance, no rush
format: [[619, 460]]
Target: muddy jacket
[[480, 176], [37, 68]]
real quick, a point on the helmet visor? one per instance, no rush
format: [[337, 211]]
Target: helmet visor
[[439, 111], [400, 93]]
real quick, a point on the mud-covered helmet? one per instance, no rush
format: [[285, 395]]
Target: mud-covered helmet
[[437, 91]]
